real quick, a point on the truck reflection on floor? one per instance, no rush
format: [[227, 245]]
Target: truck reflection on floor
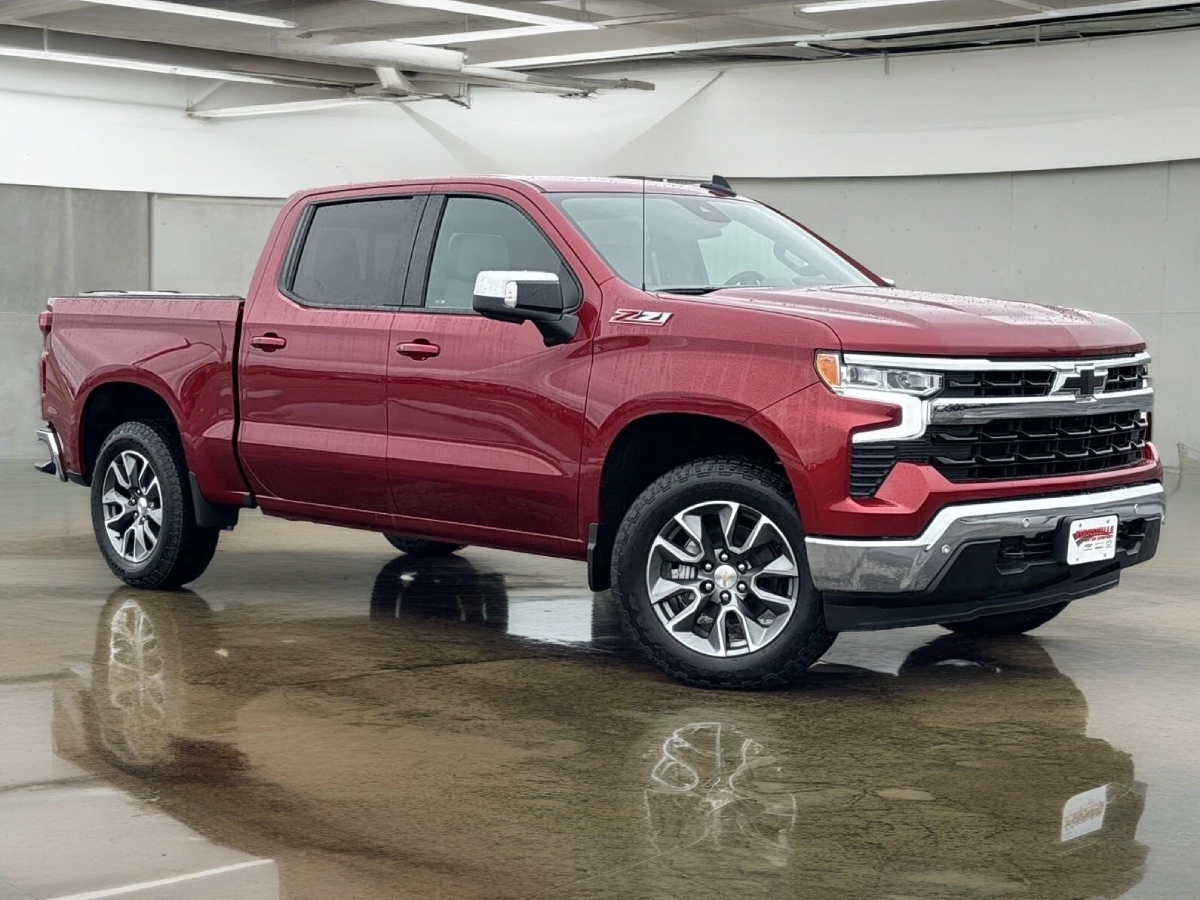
[[426, 742]]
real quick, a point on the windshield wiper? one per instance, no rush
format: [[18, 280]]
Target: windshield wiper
[[694, 290]]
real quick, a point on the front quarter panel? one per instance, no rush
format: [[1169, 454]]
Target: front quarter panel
[[703, 359]]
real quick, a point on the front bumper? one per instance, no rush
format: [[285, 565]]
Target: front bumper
[[979, 559]]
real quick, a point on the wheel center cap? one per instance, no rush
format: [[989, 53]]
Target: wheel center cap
[[725, 577], [142, 504]]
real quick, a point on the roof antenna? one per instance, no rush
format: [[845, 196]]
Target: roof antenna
[[719, 185]]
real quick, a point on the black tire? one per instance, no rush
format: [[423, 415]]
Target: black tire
[[421, 547], [1008, 623], [803, 640], [183, 549]]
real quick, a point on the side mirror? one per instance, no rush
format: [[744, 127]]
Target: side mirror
[[890, 282], [525, 297]]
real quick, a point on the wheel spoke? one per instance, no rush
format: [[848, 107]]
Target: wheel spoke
[[763, 529], [112, 495], [755, 633], [148, 537], [664, 588], [729, 516], [139, 540], [781, 565], [716, 637], [131, 468], [111, 521], [777, 602], [692, 525], [684, 620], [155, 516], [662, 545]]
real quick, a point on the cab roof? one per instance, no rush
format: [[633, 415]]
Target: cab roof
[[548, 184]]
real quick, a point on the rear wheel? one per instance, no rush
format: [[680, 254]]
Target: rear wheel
[[421, 547], [710, 575], [1008, 623], [142, 510]]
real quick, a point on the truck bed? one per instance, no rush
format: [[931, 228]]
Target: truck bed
[[182, 346]]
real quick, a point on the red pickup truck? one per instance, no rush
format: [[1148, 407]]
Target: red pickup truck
[[753, 440]]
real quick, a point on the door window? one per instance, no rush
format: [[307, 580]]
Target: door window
[[355, 254], [479, 234]]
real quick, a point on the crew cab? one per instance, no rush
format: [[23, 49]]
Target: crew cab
[[753, 440]]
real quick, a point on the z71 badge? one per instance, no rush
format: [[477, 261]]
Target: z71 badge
[[640, 317]]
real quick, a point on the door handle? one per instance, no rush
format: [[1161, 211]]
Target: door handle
[[419, 349], [269, 342]]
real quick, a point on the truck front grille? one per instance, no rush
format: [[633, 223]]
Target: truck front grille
[[1006, 449], [998, 383], [1035, 382]]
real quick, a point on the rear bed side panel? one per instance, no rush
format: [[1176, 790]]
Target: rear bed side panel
[[181, 348]]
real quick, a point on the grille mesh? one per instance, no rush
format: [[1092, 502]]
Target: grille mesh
[[1006, 449]]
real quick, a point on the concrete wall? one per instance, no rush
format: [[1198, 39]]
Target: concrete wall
[[59, 241], [1123, 241]]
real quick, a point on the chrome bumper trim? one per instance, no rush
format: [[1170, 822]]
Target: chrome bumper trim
[[55, 465], [894, 566], [988, 409]]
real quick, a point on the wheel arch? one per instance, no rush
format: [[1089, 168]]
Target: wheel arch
[[110, 404], [648, 447]]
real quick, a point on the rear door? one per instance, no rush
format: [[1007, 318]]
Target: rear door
[[486, 424], [315, 354]]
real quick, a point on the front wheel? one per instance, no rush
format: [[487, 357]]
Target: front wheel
[[142, 510], [1008, 623], [711, 578]]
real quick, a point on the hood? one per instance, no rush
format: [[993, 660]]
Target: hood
[[887, 320]]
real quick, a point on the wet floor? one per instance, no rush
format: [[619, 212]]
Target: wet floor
[[318, 717]]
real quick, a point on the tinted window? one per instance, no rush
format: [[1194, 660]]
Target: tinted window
[[478, 234], [355, 254]]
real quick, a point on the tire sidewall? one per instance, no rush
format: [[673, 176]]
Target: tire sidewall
[[144, 440], [629, 575]]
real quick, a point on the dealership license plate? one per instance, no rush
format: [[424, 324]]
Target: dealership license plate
[[1091, 540]]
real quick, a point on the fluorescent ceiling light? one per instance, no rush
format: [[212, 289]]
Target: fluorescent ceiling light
[[635, 52], [277, 109], [137, 65], [200, 12], [496, 34], [839, 5], [478, 9]]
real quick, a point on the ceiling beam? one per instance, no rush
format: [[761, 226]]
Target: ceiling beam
[[507, 13], [1050, 15]]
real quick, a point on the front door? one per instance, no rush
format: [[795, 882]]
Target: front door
[[314, 358], [486, 422]]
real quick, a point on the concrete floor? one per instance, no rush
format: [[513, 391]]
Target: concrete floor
[[319, 718]]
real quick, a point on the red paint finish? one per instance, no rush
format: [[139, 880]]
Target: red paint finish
[[180, 348], [447, 425]]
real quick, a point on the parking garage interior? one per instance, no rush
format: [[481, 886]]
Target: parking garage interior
[[319, 715]]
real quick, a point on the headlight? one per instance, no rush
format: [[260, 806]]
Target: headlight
[[842, 377]]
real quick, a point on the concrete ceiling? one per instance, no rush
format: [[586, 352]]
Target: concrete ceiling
[[399, 50]]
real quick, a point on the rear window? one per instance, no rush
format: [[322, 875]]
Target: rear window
[[355, 254]]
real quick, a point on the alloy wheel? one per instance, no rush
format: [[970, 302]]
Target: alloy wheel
[[133, 506], [723, 579]]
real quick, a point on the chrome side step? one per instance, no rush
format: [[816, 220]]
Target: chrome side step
[[52, 466]]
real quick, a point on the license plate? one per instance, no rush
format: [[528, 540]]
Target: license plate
[[1091, 540]]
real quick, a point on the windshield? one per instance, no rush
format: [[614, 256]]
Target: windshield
[[698, 244]]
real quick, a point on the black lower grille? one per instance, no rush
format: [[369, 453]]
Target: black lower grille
[[1006, 449]]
